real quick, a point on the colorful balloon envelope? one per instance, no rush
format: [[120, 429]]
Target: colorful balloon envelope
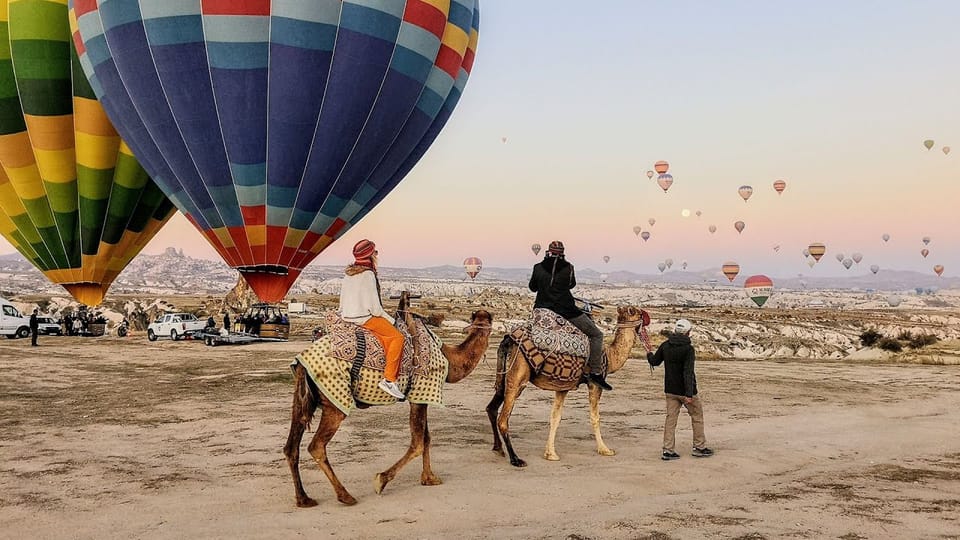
[[885, 237], [645, 235], [924, 252], [759, 288], [817, 250], [730, 269], [535, 248], [740, 226], [636, 230], [938, 269], [806, 253], [652, 221], [946, 150], [669, 263], [661, 267], [665, 180], [857, 257], [712, 229], [73, 199], [606, 258], [779, 186], [683, 265], [847, 263], [650, 175], [699, 213], [874, 268], [926, 240], [472, 266], [745, 192], [839, 257], [928, 144], [276, 126], [661, 166]]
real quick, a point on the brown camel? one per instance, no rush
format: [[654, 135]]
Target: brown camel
[[513, 373], [462, 358]]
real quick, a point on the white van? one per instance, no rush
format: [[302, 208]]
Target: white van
[[12, 323]]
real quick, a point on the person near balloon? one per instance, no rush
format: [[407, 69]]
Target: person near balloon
[[34, 328], [226, 321], [552, 280], [680, 389], [360, 304]]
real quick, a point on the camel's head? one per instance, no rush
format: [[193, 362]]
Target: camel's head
[[632, 316], [481, 318]]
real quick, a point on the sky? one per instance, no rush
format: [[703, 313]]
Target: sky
[[835, 98]]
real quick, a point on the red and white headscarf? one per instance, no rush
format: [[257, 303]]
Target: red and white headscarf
[[363, 252]]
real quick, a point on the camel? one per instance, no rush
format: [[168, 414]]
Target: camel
[[462, 359], [513, 373]]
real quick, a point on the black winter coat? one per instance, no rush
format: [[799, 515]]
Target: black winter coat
[[552, 280], [677, 356]]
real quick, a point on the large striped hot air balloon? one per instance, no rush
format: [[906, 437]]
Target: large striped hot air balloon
[[472, 266], [730, 269], [759, 288], [73, 200], [275, 126], [817, 250], [665, 180], [661, 166]]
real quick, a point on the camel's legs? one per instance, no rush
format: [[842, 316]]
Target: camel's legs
[[555, 414], [418, 427], [330, 420], [292, 451], [493, 408], [514, 383], [595, 393], [427, 478]]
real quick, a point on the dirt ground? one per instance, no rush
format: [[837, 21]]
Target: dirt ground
[[123, 438]]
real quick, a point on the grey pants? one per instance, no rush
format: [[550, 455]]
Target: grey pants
[[586, 325]]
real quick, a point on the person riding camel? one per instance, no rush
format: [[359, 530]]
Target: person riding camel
[[552, 280], [360, 304]]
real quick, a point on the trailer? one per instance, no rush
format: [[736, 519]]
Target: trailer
[[235, 338]]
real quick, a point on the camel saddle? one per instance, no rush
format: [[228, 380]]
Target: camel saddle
[[553, 347]]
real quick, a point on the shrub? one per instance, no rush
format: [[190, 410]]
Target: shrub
[[870, 337], [905, 335], [890, 344], [922, 340]]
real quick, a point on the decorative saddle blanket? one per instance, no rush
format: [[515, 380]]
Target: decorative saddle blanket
[[551, 333], [559, 367], [347, 364]]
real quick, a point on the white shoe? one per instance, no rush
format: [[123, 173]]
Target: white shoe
[[391, 388]]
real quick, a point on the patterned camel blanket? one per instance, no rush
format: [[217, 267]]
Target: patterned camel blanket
[[330, 363], [559, 367], [552, 333]]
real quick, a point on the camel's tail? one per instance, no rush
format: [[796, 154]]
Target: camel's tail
[[304, 397], [503, 352]]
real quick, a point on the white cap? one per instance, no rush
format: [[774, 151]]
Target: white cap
[[683, 326]]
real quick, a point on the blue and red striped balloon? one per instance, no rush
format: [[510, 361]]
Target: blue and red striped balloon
[[276, 125]]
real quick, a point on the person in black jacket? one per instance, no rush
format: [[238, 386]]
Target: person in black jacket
[[680, 388], [34, 328], [552, 280]]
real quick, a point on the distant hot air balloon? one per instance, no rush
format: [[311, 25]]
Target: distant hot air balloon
[[535, 248], [645, 235], [683, 265], [874, 268], [730, 269], [817, 250], [661, 267], [776, 248], [928, 144], [665, 180], [651, 221], [759, 288], [840, 257], [938, 269], [650, 175], [472, 266], [847, 263], [745, 192], [740, 226], [857, 257], [924, 252], [946, 150], [779, 186], [926, 240], [886, 237], [276, 126], [712, 229], [503, 139], [806, 253], [661, 166], [669, 263], [73, 199], [893, 300], [606, 258], [699, 213], [636, 230]]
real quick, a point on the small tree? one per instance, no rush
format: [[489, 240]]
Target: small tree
[[870, 337], [922, 340], [890, 344]]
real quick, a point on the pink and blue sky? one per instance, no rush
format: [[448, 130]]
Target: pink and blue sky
[[836, 98]]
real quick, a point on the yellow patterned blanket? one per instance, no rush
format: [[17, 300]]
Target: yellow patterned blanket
[[331, 358]]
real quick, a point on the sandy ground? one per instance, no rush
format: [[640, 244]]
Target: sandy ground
[[122, 438]]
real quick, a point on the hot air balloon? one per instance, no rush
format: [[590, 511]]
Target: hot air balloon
[[745, 192], [924, 252], [73, 199], [503, 139], [535, 248], [606, 258], [712, 229], [472, 265], [759, 288], [806, 253], [740, 226], [840, 257], [817, 250], [699, 213], [893, 300], [683, 265], [661, 267], [926, 240], [857, 257], [776, 248], [938, 269], [928, 144], [650, 175], [665, 180], [636, 230], [874, 268], [730, 269], [669, 263], [847, 263], [652, 221], [779, 186], [661, 166], [946, 150], [886, 237], [645, 235], [276, 126]]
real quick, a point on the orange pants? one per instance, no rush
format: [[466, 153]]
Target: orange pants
[[392, 341]]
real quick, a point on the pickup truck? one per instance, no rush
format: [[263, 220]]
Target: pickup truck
[[175, 325]]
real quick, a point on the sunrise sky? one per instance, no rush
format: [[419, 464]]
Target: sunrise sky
[[836, 98]]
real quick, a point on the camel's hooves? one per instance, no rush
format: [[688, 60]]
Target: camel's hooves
[[306, 503], [606, 452], [346, 499], [517, 462], [551, 457], [431, 480], [380, 482]]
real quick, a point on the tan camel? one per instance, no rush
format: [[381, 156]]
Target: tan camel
[[513, 373], [462, 358]]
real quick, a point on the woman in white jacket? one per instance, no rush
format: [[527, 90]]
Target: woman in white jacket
[[360, 304]]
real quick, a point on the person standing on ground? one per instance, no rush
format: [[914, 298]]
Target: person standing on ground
[[552, 280], [226, 321], [34, 328], [680, 389]]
